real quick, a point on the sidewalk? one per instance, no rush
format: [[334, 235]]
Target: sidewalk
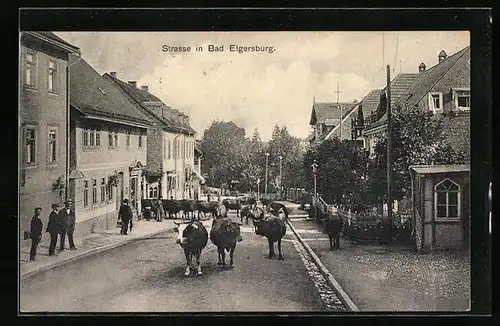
[[87, 246], [392, 277]]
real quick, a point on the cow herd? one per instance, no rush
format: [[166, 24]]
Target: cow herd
[[192, 235]]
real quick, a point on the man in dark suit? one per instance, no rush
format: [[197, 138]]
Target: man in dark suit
[[35, 232], [125, 214], [68, 219], [53, 228]]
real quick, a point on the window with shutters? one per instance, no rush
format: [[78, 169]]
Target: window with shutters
[[85, 193], [30, 69], [103, 190], [30, 145], [52, 77], [139, 141], [52, 146], [462, 99], [436, 102], [94, 191]]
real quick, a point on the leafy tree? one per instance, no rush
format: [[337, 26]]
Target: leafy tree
[[417, 138]]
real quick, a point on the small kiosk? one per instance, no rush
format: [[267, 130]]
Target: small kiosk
[[440, 206]]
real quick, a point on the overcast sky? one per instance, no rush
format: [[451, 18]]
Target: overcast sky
[[259, 90]]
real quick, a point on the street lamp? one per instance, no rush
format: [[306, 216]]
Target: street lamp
[[267, 161], [258, 188], [281, 174], [315, 171]]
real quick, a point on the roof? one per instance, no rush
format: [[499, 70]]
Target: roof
[[93, 95], [399, 86], [370, 102], [148, 100], [322, 111], [54, 39], [331, 132], [427, 79], [432, 169]]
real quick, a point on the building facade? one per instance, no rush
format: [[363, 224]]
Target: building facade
[[43, 124], [325, 117], [108, 150], [171, 144]]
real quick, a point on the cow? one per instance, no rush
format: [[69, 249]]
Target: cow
[[224, 235], [232, 204], [275, 208], [265, 201], [219, 210], [172, 206], [192, 236], [188, 206], [248, 200], [332, 227], [274, 229], [249, 211], [204, 207]]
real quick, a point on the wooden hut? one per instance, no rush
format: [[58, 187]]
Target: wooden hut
[[440, 206]]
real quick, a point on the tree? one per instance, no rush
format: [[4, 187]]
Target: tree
[[224, 148], [417, 138]]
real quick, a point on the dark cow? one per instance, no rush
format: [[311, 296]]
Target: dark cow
[[274, 229], [192, 237], [248, 200], [224, 235], [251, 212], [265, 201], [332, 227], [233, 204], [275, 208], [172, 206], [188, 206], [204, 207]]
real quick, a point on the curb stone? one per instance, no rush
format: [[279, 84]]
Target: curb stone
[[344, 297], [89, 253]]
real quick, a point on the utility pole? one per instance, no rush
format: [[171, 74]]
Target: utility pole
[[338, 92], [267, 161], [389, 151]]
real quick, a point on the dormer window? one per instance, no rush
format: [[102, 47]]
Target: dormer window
[[461, 97], [436, 102]]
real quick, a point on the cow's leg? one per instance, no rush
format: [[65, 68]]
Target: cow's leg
[[231, 254], [188, 263], [198, 265], [271, 249], [237, 212], [219, 256], [337, 240], [330, 237], [280, 257], [223, 252]]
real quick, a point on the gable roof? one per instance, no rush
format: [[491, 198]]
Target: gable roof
[[424, 83], [370, 103], [330, 133], [427, 79], [147, 101], [322, 111], [92, 95], [53, 39]]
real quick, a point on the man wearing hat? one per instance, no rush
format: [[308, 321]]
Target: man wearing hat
[[125, 214], [67, 217], [35, 232], [53, 228]]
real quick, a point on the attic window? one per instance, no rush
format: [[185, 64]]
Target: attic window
[[100, 90]]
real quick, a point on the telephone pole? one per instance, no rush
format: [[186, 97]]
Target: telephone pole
[[389, 151], [338, 92]]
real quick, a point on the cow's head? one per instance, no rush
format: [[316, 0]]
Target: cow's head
[[183, 230]]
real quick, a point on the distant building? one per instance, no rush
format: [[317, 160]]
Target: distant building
[[171, 144], [43, 124], [108, 149], [326, 117], [363, 115]]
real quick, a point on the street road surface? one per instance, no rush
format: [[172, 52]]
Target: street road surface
[[148, 276]]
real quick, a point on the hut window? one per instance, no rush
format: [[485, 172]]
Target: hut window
[[447, 201]]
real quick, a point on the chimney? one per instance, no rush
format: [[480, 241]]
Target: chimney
[[442, 55], [113, 74], [421, 68], [144, 88], [133, 83]]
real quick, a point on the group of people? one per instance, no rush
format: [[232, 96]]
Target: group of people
[[61, 224]]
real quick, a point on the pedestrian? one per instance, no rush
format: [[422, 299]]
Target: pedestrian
[[125, 214], [68, 219], [35, 232], [53, 228], [160, 212], [208, 196]]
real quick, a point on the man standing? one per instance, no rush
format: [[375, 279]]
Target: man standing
[[53, 228], [35, 232], [125, 214], [68, 219]]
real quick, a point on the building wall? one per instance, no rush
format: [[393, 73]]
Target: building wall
[[102, 162], [41, 110]]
